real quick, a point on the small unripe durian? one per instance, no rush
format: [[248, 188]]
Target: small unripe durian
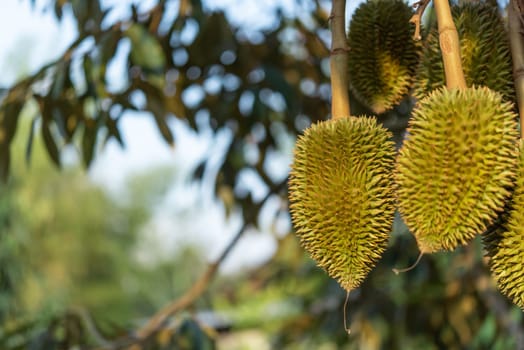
[[383, 54], [484, 51], [456, 166], [505, 245], [342, 197]]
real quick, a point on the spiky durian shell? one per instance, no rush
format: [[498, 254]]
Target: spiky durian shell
[[383, 55], [505, 244], [484, 49], [456, 164], [342, 197]]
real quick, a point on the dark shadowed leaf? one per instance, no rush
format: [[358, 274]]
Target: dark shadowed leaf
[[50, 143], [9, 116], [29, 145], [60, 82], [176, 106], [215, 37], [196, 8], [10, 113], [88, 15], [5, 159], [89, 141], [276, 81], [108, 44], [114, 131], [164, 129]]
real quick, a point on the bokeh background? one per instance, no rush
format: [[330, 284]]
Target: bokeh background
[[151, 151]]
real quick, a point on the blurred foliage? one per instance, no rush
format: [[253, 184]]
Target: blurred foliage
[[264, 87], [252, 87], [69, 274], [448, 302]]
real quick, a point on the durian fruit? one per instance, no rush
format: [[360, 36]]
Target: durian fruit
[[484, 50], [383, 54], [456, 166], [504, 245], [341, 193]]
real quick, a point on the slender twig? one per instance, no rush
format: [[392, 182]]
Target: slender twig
[[157, 321], [420, 7], [449, 46], [339, 62], [516, 37], [89, 325]]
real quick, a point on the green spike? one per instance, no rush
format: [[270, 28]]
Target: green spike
[[504, 245], [341, 195], [453, 170], [484, 49], [384, 55]]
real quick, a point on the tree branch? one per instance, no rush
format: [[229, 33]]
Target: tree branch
[[339, 62], [89, 325], [194, 292]]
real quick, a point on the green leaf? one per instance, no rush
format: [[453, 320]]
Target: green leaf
[[50, 143], [114, 131], [61, 81], [164, 129], [5, 159], [88, 14], [89, 141], [146, 50], [215, 36], [29, 146], [9, 120], [9, 116]]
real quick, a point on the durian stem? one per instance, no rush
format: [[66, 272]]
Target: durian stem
[[420, 7], [449, 46], [397, 271], [348, 330], [516, 37], [339, 62]]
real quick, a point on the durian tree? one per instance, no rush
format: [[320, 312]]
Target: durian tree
[[445, 90]]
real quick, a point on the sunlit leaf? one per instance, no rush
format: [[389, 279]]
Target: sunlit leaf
[[146, 51]]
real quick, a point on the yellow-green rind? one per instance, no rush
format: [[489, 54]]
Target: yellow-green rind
[[484, 49], [457, 165], [384, 55], [341, 193], [505, 245]]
